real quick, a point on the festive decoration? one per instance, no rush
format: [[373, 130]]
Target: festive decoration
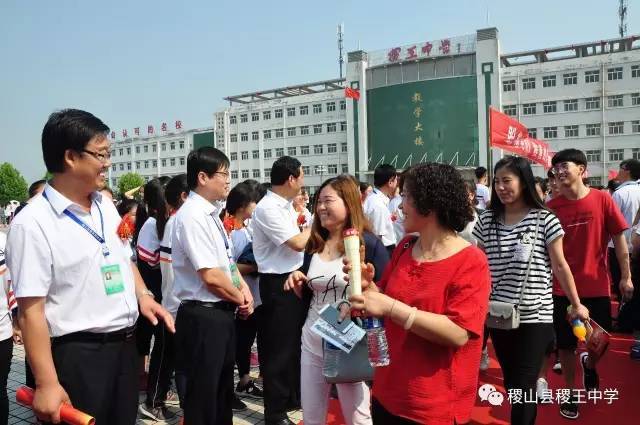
[[352, 93], [126, 227]]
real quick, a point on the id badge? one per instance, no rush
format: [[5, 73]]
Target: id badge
[[112, 279], [235, 274]]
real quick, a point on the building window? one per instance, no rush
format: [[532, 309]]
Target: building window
[[304, 110], [550, 132], [292, 151], [234, 174], [509, 110], [255, 116], [244, 137], [319, 170], [615, 101], [343, 105], [279, 152], [331, 127], [304, 150], [172, 162], [594, 181], [267, 153], [266, 134], [304, 130], [255, 154], [343, 147], [278, 113], [137, 149], [305, 170], [243, 118], [114, 166], [267, 173], [533, 133], [279, 133], [121, 166], [120, 151], [509, 85], [232, 119], [635, 99], [154, 163], [549, 107], [245, 174], [570, 79], [137, 165], [614, 73], [345, 168], [172, 146], [163, 162], [114, 182], [128, 151], [593, 156], [616, 154], [616, 128], [331, 106], [145, 148], [256, 173], [549, 81], [244, 154], [593, 129], [291, 112], [291, 131], [529, 109], [592, 103], [182, 160], [343, 126], [591, 76], [570, 131], [332, 168], [317, 128], [571, 105], [317, 108], [528, 83], [266, 115], [255, 135], [332, 148], [317, 149], [635, 126], [233, 156], [635, 153], [232, 138], [154, 148]]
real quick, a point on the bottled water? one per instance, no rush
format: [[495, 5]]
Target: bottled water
[[330, 366], [377, 342]]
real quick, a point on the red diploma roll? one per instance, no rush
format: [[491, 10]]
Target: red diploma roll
[[24, 396]]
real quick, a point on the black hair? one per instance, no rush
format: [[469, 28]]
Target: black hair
[[480, 172], [33, 189], [174, 189], [266, 186], [107, 189], [570, 155], [364, 186], [206, 159], [126, 205], [550, 174], [543, 184], [438, 188], [284, 167], [258, 189], [633, 166], [383, 174], [521, 168], [612, 185], [239, 197], [156, 204], [470, 185], [141, 216], [68, 129]]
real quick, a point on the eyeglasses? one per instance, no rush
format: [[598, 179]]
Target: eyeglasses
[[563, 166], [225, 174], [102, 157]]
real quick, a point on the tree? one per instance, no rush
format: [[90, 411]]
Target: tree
[[47, 176], [12, 185], [129, 181]]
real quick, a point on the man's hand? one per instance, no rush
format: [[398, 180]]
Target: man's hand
[[47, 400], [246, 308], [626, 288], [17, 334], [153, 311], [294, 282]]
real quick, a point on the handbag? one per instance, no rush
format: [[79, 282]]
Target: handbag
[[353, 366], [504, 315]]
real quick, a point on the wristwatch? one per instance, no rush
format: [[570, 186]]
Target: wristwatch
[[146, 292]]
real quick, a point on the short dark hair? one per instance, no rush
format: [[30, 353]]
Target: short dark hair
[[258, 189], [284, 167], [126, 205], [383, 174], [543, 184], [33, 189], [206, 159], [174, 190], [438, 188], [570, 155], [364, 186], [633, 167], [68, 129], [612, 185], [480, 172], [239, 197]]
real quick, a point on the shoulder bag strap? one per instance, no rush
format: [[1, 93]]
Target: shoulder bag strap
[[533, 248]]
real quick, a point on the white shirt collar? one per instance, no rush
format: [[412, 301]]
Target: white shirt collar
[[279, 200], [60, 203], [207, 207], [628, 183]]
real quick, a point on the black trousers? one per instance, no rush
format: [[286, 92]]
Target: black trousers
[[381, 416], [246, 331], [280, 330], [144, 329], [161, 367], [6, 352], [520, 353], [205, 354]]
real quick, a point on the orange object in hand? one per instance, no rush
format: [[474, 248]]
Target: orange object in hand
[[24, 396]]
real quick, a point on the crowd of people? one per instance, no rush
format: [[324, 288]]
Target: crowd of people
[[174, 290]]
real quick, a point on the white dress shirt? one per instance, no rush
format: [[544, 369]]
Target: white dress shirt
[[397, 217], [197, 243], [169, 299], [52, 256], [6, 330], [376, 208], [274, 222], [627, 198], [483, 195]]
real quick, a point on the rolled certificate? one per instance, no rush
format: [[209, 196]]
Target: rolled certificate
[[24, 396], [352, 252]]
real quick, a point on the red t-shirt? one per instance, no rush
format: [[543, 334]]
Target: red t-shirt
[[588, 225], [427, 382]]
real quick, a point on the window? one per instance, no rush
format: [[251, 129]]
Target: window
[[137, 165], [616, 154], [549, 107], [635, 153], [615, 101], [635, 71], [113, 167], [549, 81], [255, 116], [244, 137], [528, 109], [591, 76], [509, 85], [279, 152], [304, 130], [267, 153], [232, 138], [331, 106], [635, 99], [266, 115], [172, 146], [304, 150], [145, 148], [331, 127], [594, 181], [279, 133], [550, 132], [616, 127], [533, 133], [593, 156], [343, 147], [317, 128], [571, 105], [343, 126], [570, 79], [154, 148], [291, 131], [120, 151], [244, 154], [509, 110], [137, 149], [291, 112], [172, 162], [266, 134], [163, 162], [345, 168], [267, 173], [319, 170], [332, 148], [305, 170], [243, 118], [255, 154], [232, 119], [292, 151], [570, 131], [317, 149], [278, 113], [614, 73], [245, 174], [635, 126], [154, 163], [592, 103], [234, 174], [317, 108], [121, 166], [332, 169], [304, 110], [256, 173], [114, 182], [128, 151], [255, 135], [182, 160], [343, 105], [233, 156], [593, 129]]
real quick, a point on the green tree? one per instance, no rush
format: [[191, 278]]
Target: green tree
[[47, 176], [129, 181], [12, 185]]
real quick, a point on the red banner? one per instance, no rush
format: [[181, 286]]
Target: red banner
[[512, 136]]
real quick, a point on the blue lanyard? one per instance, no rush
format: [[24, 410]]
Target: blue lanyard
[[72, 216], [224, 238]]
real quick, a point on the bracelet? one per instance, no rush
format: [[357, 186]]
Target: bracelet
[[410, 319], [393, 304], [146, 292]]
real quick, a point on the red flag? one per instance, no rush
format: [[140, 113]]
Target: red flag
[[352, 93], [511, 135], [613, 174]]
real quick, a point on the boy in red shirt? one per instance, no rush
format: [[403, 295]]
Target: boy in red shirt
[[589, 218]]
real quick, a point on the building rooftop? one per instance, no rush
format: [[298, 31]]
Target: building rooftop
[[288, 91]]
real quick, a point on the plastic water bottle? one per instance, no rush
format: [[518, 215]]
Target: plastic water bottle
[[579, 330], [330, 366], [377, 342]]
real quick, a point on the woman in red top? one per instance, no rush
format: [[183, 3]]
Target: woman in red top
[[433, 295]]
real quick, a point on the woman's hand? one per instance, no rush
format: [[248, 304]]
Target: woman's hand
[[371, 303], [368, 271], [579, 311], [294, 282]]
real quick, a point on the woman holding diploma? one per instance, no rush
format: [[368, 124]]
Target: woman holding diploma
[[433, 297], [321, 281]]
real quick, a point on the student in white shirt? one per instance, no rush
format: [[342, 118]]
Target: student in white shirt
[[277, 246], [6, 333], [397, 217], [77, 290], [376, 206], [207, 282], [482, 190]]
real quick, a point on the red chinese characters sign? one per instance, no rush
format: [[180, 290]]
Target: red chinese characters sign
[[512, 136], [443, 47]]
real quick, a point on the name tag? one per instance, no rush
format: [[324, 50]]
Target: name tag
[[235, 274], [112, 279]]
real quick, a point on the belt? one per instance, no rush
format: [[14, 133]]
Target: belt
[[115, 336], [218, 305]]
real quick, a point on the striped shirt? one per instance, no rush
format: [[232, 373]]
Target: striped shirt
[[508, 249]]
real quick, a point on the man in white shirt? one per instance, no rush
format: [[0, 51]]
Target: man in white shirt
[[77, 290], [277, 246], [207, 282], [483, 193], [376, 206]]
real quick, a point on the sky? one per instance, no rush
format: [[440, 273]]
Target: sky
[[134, 63]]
